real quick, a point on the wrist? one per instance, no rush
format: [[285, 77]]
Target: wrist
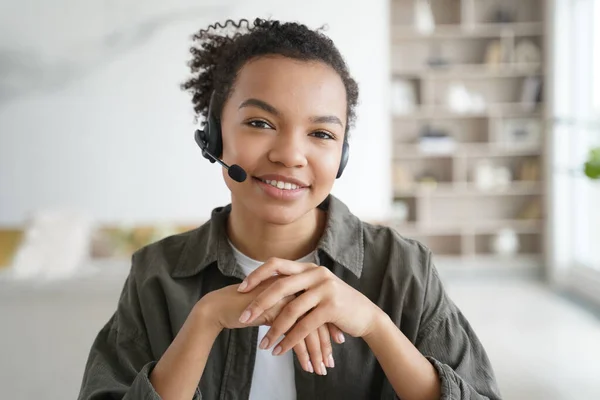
[[205, 317], [380, 322]]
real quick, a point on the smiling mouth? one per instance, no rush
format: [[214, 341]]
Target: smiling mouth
[[281, 185]]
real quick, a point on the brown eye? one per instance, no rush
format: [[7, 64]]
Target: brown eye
[[322, 135], [257, 123]]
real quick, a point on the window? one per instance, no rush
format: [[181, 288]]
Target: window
[[575, 199], [596, 47]]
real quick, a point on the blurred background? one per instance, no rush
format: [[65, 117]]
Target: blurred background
[[478, 133]]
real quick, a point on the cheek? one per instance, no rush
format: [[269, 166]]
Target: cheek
[[326, 164], [239, 148]]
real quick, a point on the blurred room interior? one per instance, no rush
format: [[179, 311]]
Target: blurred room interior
[[478, 133]]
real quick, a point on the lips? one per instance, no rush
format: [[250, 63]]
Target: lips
[[283, 182], [282, 188]]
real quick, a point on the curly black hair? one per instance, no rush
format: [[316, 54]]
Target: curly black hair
[[221, 50]]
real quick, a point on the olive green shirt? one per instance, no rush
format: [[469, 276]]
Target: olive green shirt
[[168, 277]]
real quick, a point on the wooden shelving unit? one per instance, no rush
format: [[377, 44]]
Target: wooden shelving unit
[[492, 50]]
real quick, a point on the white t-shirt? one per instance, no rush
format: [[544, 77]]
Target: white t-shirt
[[273, 376]]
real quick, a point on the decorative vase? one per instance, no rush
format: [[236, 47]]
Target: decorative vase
[[424, 17], [484, 175], [505, 242]]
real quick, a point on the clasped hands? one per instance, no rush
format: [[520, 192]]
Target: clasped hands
[[311, 303]]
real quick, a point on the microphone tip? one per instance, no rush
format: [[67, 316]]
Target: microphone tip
[[237, 173]]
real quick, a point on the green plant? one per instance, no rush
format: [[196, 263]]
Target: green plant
[[592, 166]]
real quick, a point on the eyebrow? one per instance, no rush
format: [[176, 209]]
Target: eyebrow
[[259, 104], [327, 119], [324, 119]]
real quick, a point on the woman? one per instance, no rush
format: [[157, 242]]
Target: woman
[[246, 305]]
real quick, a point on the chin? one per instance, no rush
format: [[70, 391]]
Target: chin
[[280, 214]]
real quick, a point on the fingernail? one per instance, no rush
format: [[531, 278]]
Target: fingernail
[[242, 286], [341, 337], [277, 350], [323, 369], [330, 361], [245, 316], [264, 343], [310, 368]]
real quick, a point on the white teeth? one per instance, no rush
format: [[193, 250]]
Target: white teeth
[[282, 185]]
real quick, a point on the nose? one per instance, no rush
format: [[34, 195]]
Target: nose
[[288, 150]]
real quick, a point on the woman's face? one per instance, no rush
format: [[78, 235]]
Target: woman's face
[[284, 123]]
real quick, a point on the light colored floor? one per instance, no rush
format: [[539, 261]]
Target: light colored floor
[[541, 345]]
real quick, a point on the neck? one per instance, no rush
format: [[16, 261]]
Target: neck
[[260, 240]]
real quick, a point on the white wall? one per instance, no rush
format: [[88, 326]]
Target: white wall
[[110, 132]]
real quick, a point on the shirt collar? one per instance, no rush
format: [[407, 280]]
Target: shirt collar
[[342, 241]]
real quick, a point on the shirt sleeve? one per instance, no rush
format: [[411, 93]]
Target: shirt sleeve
[[448, 341], [120, 360]]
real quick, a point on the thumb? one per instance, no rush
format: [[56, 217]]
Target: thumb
[[336, 334]]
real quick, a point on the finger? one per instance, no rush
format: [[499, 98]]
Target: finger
[[336, 333], [314, 349], [269, 315], [290, 315], [325, 346], [301, 351], [309, 323], [277, 290], [273, 266]]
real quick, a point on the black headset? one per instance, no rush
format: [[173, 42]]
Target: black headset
[[210, 141]]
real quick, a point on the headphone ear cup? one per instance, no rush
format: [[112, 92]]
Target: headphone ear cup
[[215, 140], [344, 159], [199, 137], [211, 135]]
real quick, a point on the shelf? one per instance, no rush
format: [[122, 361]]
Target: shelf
[[498, 110], [469, 189], [471, 63], [519, 225], [472, 71], [480, 228], [504, 152], [456, 31], [465, 150], [491, 263], [427, 112], [413, 152]]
